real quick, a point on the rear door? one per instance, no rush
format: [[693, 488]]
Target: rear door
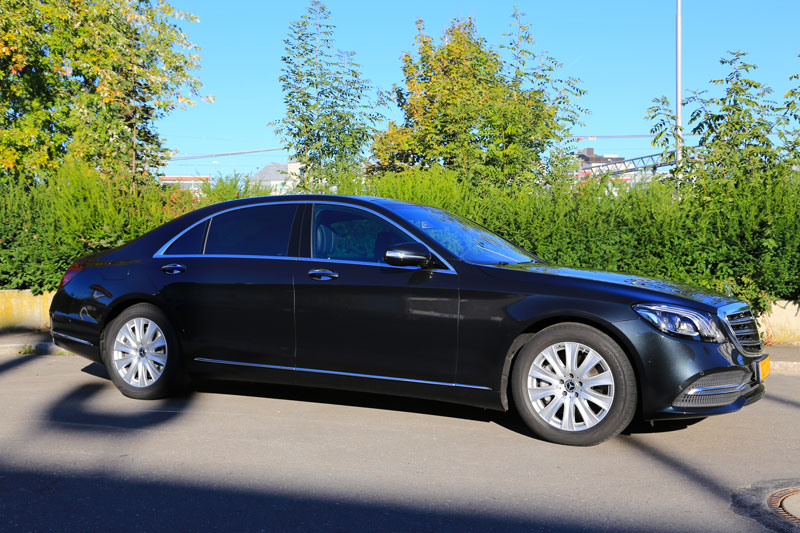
[[228, 283]]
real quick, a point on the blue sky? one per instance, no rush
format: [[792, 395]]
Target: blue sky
[[623, 51]]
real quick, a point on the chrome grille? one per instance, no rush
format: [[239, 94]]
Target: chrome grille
[[743, 325]]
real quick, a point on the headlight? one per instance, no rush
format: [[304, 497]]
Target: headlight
[[681, 321]]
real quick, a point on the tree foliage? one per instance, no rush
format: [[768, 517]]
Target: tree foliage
[[329, 116], [741, 131], [89, 78], [468, 108]]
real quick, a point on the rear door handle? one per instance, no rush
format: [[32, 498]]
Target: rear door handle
[[173, 268], [322, 274]]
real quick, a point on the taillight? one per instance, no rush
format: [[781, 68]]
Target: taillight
[[71, 272]]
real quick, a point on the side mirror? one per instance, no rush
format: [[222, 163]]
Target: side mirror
[[408, 254]]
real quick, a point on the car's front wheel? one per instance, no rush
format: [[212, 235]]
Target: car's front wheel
[[572, 384], [141, 353]]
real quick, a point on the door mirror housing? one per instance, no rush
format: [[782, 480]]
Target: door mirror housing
[[408, 254]]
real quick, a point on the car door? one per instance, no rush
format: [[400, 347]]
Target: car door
[[228, 283], [357, 315]]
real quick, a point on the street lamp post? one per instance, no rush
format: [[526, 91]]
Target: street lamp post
[[678, 98]]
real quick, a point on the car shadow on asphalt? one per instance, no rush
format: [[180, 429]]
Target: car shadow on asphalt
[[638, 427], [366, 400], [78, 411], [780, 399], [681, 467], [17, 361], [509, 420]]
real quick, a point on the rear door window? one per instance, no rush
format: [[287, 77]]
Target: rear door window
[[260, 231], [190, 243]]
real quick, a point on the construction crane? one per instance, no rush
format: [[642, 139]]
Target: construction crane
[[647, 162]]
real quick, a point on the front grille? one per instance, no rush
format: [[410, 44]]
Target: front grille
[[744, 327]]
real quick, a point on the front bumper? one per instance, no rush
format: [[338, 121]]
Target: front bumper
[[683, 378]]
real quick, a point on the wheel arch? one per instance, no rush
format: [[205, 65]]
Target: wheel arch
[[129, 301], [596, 322]]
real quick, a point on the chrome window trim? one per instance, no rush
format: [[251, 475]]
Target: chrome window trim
[[334, 372], [71, 338], [231, 256], [160, 252], [450, 269], [373, 264]]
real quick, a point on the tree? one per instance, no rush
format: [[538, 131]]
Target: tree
[[329, 116], [468, 108], [89, 79], [734, 128]]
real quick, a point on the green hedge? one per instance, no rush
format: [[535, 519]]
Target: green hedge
[[742, 230], [47, 225]]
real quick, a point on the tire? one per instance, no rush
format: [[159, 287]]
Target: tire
[[575, 404], [141, 353]]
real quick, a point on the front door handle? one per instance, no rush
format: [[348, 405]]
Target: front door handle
[[173, 268], [322, 274]]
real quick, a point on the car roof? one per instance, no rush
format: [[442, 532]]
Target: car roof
[[355, 199]]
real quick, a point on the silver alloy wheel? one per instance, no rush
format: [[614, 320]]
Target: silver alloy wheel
[[570, 386], [140, 352]]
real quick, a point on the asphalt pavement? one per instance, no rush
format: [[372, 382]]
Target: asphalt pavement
[[75, 455]]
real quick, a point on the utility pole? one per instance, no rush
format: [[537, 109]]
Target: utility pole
[[678, 97]]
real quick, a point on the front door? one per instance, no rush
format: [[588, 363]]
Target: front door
[[357, 315]]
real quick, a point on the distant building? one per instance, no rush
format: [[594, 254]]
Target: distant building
[[281, 178], [588, 158], [191, 183]]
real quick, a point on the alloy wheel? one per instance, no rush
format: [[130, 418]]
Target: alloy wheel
[[140, 352], [570, 386]]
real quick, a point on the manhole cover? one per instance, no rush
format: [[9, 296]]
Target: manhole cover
[[786, 503], [774, 504]]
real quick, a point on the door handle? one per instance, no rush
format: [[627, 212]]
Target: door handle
[[173, 268], [322, 274]]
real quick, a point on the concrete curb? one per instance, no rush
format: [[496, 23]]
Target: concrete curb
[[787, 368], [36, 348]]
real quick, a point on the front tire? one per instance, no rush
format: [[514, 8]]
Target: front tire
[[141, 353], [572, 384]]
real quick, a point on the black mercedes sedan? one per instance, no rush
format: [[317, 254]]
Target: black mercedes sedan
[[385, 296]]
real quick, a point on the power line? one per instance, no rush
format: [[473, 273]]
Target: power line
[[204, 156]]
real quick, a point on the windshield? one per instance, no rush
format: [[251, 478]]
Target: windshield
[[465, 239]]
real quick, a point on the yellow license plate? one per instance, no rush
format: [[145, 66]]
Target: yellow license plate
[[763, 368]]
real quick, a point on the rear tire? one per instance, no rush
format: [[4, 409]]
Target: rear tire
[[572, 384], [141, 353]]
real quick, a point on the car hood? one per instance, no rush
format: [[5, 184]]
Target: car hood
[[707, 297]]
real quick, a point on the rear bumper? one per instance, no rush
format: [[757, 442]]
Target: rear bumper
[[76, 345], [73, 328]]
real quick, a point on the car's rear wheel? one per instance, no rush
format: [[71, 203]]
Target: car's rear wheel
[[141, 353], [572, 384]]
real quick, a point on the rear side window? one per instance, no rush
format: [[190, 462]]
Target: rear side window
[[190, 243], [261, 230]]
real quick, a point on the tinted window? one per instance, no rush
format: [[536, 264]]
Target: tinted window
[[190, 242], [465, 239], [262, 230], [352, 234]]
